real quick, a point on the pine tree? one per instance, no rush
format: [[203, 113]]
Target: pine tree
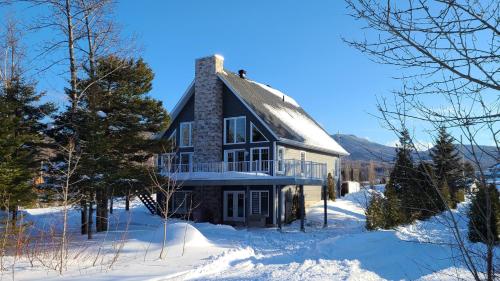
[[401, 184], [21, 129], [428, 195], [447, 164], [116, 125], [479, 214]]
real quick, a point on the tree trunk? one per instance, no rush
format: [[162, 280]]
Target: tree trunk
[[104, 210], [127, 200], [111, 204], [84, 215], [98, 210], [89, 224]]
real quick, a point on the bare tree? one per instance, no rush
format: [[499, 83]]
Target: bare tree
[[449, 53]]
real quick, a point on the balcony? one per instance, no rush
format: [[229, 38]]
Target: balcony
[[284, 172]]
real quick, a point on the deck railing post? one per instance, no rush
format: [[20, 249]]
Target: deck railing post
[[302, 208]]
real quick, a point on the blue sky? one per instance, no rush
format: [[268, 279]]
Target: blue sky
[[294, 46]]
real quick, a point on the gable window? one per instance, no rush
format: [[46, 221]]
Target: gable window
[[186, 134], [256, 135], [234, 130], [186, 160], [281, 160], [260, 202], [259, 159], [172, 140]]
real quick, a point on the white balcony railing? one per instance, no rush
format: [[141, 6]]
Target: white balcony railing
[[282, 168]]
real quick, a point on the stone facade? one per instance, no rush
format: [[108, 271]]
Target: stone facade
[[208, 203], [208, 127]]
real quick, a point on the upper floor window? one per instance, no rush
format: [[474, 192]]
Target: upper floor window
[[172, 141], [256, 135], [186, 134], [281, 159], [234, 130]]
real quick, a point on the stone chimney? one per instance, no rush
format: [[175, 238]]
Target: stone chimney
[[208, 130]]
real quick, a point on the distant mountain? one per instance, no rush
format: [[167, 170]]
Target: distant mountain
[[361, 149]]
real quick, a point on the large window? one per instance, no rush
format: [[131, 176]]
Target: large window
[[260, 202], [260, 159], [235, 130], [302, 161], [281, 160], [186, 134], [256, 135], [172, 141], [235, 160], [180, 202]]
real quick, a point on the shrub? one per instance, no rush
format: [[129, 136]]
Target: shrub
[[375, 213]]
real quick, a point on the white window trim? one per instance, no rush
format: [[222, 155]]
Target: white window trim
[[176, 209], [190, 134], [226, 151], [173, 136], [260, 155], [260, 202], [252, 125], [225, 133]]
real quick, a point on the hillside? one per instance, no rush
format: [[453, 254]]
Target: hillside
[[361, 149]]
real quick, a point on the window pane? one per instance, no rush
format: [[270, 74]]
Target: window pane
[[229, 127], [255, 203], [240, 130], [264, 154], [257, 136], [230, 205], [186, 134], [241, 205], [241, 155], [264, 203]]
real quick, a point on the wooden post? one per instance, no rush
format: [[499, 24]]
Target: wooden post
[[279, 207], [90, 219], [325, 198], [302, 208]]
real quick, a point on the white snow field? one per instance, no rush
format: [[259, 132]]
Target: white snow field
[[201, 251]]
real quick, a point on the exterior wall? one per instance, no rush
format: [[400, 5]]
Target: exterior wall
[[330, 160], [233, 107], [207, 131]]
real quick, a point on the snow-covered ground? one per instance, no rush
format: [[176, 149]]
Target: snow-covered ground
[[201, 251]]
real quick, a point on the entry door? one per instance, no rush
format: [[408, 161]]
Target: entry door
[[234, 206]]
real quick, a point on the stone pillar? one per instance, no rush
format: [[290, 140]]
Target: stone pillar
[[208, 127]]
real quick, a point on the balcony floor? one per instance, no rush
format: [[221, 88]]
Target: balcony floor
[[241, 178]]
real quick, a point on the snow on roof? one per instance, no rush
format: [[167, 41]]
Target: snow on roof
[[311, 133], [284, 117], [277, 93]]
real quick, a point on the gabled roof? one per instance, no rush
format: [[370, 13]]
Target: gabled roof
[[281, 114]]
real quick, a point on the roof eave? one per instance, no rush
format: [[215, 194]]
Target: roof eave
[[178, 107], [313, 147]]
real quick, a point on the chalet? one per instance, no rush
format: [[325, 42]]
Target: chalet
[[246, 154]]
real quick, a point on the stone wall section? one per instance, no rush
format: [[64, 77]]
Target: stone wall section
[[208, 121]]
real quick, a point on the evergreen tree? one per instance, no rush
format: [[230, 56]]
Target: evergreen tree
[[21, 137], [479, 214], [447, 164], [375, 213], [401, 189], [427, 196], [331, 187], [116, 125]]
